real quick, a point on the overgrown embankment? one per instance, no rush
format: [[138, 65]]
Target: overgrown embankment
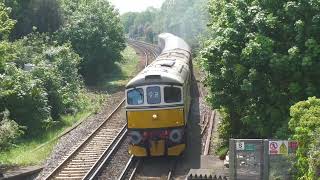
[[49, 51]]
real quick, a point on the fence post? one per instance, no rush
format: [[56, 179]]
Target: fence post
[[266, 160], [232, 159]]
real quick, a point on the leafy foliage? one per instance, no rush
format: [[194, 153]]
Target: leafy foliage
[[262, 57], [96, 35], [9, 130], [6, 24], [45, 15], [57, 67], [38, 95], [305, 123], [39, 68], [25, 98]]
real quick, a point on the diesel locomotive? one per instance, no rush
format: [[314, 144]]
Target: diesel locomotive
[[158, 101]]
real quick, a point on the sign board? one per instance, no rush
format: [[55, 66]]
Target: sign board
[[278, 147], [240, 146], [292, 147], [250, 147]]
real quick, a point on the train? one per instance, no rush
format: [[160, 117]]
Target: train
[[158, 101]]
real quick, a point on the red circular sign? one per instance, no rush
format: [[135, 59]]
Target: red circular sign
[[273, 146]]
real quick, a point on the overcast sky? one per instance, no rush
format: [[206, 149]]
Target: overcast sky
[[135, 5]]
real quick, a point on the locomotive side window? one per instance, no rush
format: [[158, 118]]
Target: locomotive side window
[[172, 94], [153, 95], [135, 96]]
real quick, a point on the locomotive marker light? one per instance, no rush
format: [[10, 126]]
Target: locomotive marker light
[[135, 137], [175, 135]]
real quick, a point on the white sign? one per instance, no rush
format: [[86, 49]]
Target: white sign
[[240, 146], [278, 147]]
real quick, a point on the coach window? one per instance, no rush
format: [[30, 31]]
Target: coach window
[[135, 96], [172, 94], [153, 95]]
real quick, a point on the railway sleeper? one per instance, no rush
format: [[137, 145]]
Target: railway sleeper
[[83, 160], [79, 175], [76, 177], [71, 165], [75, 171], [77, 168]]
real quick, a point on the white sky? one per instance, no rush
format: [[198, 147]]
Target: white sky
[[135, 5]]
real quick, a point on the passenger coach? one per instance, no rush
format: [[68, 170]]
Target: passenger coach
[[158, 101]]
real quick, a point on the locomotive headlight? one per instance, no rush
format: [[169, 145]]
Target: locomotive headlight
[[135, 137], [176, 135]]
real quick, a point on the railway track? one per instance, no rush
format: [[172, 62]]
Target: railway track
[[134, 170], [88, 154], [103, 146]]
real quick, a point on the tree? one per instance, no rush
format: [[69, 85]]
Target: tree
[[262, 57], [95, 33], [305, 124], [6, 24], [45, 15]]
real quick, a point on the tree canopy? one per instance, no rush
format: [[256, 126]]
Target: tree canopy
[[95, 33], [261, 58], [44, 47]]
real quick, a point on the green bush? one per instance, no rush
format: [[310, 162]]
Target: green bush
[[305, 124], [57, 68], [95, 33], [38, 96], [25, 98], [9, 130]]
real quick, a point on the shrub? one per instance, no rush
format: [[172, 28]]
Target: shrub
[[56, 67], [9, 130], [25, 98], [37, 96], [305, 124]]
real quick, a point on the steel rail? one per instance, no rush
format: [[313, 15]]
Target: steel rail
[[172, 169], [135, 169], [78, 148], [99, 166], [126, 168]]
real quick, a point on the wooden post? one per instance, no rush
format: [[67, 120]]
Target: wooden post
[[232, 160], [265, 172]]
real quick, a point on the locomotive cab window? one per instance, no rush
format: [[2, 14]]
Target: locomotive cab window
[[135, 96], [153, 95], [172, 94]]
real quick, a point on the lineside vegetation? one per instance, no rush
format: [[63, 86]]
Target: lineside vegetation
[[49, 51], [262, 57]]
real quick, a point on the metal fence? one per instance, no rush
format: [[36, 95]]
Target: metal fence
[[261, 159]]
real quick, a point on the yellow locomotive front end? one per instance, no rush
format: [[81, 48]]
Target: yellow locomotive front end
[[158, 101], [156, 120]]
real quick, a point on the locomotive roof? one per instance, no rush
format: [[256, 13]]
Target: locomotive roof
[[170, 67], [173, 42]]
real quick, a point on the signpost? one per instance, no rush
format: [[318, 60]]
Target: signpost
[[279, 147], [256, 155], [240, 146]]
